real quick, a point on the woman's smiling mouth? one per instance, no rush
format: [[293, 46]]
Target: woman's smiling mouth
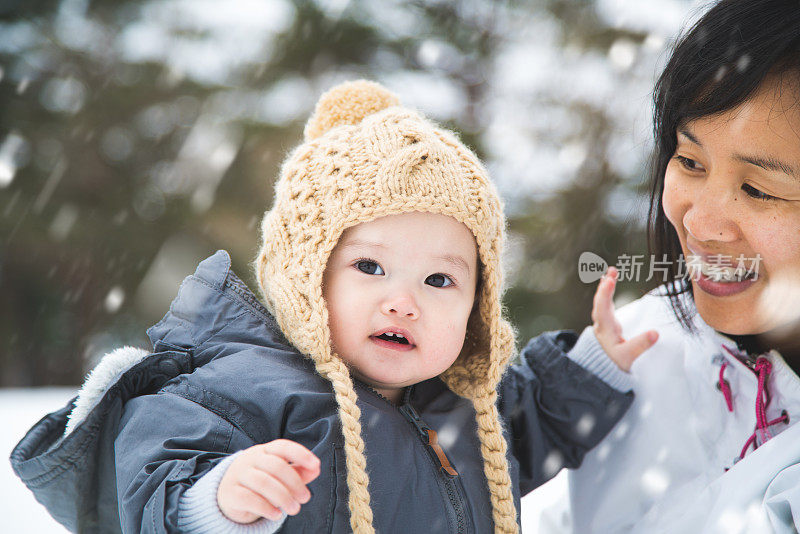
[[719, 288], [721, 275]]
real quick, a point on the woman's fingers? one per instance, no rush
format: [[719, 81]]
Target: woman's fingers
[[605, 322], [607, 329], [631, 349]]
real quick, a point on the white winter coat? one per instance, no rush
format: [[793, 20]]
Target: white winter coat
[[670, 465]]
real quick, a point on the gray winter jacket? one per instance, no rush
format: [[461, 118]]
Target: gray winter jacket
[[222, 378]]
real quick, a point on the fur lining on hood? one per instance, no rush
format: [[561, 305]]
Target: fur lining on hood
[[111, 367]]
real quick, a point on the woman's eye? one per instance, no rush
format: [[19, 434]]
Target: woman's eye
[[369, 267], [755, 193], [688, 163], [439, 280]]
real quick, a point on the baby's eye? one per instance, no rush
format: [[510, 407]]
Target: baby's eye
[[755, 193], [369, 267], [439, 280]]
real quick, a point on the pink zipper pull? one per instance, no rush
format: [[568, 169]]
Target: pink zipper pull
[[725, 387]]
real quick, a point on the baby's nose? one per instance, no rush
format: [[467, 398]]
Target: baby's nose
[[404, 306]]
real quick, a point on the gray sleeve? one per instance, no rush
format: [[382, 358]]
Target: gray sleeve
[[198, 512], [164, 446], [555, 410], [588, 353]]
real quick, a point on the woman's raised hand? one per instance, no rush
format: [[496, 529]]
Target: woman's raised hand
[[608, 330]]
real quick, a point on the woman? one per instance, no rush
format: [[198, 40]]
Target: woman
[[710, 443]]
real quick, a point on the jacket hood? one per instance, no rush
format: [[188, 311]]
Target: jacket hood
[[213, 308]]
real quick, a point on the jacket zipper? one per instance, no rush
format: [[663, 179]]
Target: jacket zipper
[[428, 437]]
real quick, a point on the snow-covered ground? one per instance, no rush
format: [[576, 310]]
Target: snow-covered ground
[[21, 408]]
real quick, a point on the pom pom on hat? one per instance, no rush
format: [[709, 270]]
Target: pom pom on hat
[[348, 103]]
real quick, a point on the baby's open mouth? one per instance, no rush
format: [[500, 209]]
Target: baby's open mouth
[[395, 338]]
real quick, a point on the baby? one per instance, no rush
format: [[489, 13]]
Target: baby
[[374, 391]]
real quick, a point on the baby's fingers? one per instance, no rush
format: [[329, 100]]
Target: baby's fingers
[[628, 351], [271, 489], [243, 505], [289, 478], [304, 461]]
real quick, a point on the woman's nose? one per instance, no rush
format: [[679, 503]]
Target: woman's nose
[[711, 215], [402, 305]]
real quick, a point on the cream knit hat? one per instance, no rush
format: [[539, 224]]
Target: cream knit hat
[[365, 157]]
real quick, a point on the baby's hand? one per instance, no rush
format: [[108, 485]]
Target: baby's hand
[[608, 330], [265, 479]]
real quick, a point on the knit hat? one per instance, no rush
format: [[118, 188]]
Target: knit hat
[[365, 157]]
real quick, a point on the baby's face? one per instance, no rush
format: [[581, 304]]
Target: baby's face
[[412, 274]]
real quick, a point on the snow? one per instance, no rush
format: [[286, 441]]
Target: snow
[[22, 408], [19, 410]]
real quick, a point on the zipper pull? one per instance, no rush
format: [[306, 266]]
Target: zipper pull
[[412, 415], [430, 438]]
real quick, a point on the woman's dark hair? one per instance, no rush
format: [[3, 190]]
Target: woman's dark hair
[[714, 67]]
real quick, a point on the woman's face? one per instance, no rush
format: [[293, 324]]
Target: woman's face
[[732, 192]]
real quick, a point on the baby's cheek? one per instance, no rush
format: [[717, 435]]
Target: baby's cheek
[[340, 329], [454, 340], [446, 354]]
